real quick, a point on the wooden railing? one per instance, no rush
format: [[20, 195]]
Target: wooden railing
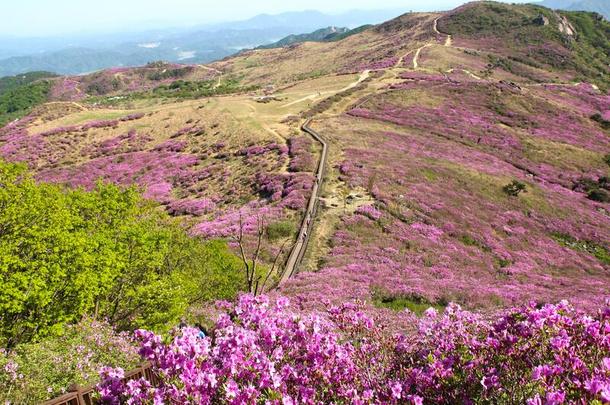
[[84, 395]]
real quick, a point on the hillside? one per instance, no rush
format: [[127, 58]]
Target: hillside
[[8, 83], [323, 34], [455, 165], [530, 38], [411, 70]]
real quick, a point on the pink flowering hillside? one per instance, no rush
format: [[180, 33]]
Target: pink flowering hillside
[[432, 194], [438, 156], [121, 81]]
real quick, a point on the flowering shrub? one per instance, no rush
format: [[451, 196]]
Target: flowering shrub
[[369, 211], [66, 89], [263, 352], [228, 223], [195, 207], [292, 189], [300, 153], [438, 156], [36, 372]]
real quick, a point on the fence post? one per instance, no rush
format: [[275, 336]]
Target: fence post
[[79, 393]]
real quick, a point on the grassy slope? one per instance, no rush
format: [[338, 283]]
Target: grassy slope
[[512, 31]]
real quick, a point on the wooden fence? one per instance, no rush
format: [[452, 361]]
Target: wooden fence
[[84, 395]]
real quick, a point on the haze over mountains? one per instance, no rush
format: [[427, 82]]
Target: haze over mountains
[[599, 6], [85, 53], [198, 44]]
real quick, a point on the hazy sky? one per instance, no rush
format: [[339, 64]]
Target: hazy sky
[[49, 17]]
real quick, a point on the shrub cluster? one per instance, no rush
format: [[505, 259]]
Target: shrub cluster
[[265, 353], [67, 254]]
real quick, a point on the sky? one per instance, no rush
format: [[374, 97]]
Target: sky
[[27, 18]]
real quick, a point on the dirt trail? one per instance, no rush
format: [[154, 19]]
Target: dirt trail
[[363, 76], [416, 57], [402, 59], [448, 40], [468, 72], [210, 69], [215, 71]]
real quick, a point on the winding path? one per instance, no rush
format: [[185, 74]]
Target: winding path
[[416, 57], [299, 248], [448, 40]]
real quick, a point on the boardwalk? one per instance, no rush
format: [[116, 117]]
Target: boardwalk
[[298, 251]]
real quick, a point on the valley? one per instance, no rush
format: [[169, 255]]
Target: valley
[[432, 161]]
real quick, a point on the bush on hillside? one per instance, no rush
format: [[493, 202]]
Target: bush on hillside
[[19, 101], [67, 254], [515, 188], [280, 230]]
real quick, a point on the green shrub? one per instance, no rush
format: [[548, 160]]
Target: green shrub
[[597, 117], [470, 241], [19, 101], [515, 188], [280, 230], [599, 195], [399, 302], [11, 82], [591, 247]]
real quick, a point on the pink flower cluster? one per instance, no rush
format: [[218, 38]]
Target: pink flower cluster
[[100, 124], [227, 224], [154, 171], [255, 150], [264, 352], [185, 131], [382, 64], [292, 189], [129, 142], [196, 207], [369, 211], [301, 158], [66, 89], [171, 146], [90, 125]]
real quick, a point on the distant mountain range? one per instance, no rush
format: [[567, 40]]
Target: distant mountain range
[[199, 44], [600, 6]]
